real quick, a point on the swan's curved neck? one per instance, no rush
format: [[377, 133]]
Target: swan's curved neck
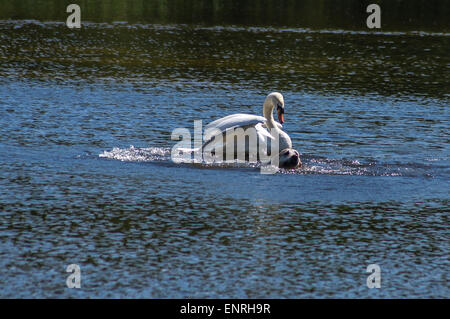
[[268, 113]]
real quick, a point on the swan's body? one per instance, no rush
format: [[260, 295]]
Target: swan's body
[[267, 132]]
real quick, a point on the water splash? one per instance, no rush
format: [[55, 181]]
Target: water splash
[[135, 154], [312, 164]]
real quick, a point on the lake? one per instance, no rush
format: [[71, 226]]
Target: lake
[[86, 178]]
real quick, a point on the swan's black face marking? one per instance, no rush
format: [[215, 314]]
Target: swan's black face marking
[[280, 108], [280, 112]]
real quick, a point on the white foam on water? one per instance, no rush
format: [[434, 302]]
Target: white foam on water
[[311, 164], [133, 154]]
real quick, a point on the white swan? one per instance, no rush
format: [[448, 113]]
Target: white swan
[[267, 132]]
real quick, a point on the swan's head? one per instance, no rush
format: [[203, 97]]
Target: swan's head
[[289, 158], [278, 103]]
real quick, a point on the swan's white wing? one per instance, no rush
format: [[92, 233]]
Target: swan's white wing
[[239, 120], [218, 142], [263, 134], [234, 121], [230, 123], [215, 134], [276, 123]]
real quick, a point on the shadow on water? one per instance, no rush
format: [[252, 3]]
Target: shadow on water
[[317, 14], [361, 63]]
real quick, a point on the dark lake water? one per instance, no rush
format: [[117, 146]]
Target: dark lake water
[[86, 177]]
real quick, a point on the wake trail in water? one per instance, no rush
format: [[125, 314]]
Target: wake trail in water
[[312, 164]]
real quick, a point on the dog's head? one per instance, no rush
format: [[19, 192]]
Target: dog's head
[[289, 158]]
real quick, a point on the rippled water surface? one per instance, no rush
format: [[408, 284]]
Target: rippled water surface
[[86, 118]]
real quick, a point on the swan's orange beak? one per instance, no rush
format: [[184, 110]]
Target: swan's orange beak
[[280, 116]]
